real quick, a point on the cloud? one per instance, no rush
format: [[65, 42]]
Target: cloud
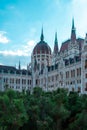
[[31, 43], [24, 51], [3, 38], [13, 53], [28, 48], [1, 64]]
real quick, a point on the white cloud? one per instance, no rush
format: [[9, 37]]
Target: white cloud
[[3, 38], [31, 43], [28, 48], [24, 51], [14, 53], [24, 67], [1, 64]]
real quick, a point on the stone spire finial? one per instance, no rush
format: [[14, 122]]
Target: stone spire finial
[[42, 36]]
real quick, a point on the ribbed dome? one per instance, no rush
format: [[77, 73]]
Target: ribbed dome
[[42, 47]]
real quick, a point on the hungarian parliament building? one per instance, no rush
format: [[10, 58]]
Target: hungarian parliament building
[[63, 68]]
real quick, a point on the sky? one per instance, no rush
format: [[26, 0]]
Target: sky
[[21, 22]]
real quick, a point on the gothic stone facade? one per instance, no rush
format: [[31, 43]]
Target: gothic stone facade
[[64, 68]]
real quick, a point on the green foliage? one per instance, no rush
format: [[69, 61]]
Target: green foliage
[[41, 110], [12, 110]]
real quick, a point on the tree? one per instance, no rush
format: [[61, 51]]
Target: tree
[[60, 112], [12, 111]]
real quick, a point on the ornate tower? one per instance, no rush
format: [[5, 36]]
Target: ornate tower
[[73, 47], [41, 58]]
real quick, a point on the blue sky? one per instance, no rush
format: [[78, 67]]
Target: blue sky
[[21, 22]]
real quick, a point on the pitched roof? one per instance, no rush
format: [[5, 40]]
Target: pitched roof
[[65, 44], [13, 70], [3, 67]]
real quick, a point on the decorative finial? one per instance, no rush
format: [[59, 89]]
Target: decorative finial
[[42, 36]]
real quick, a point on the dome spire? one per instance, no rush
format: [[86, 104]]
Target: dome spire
[[73, 32], [42, 36]]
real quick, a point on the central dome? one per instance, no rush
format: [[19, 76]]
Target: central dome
[[42, 47]]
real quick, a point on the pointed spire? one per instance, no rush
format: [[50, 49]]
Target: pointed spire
[[19, 65], [56, 44], [56, 41], [73, 32], [42, 36], [73, 27]]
